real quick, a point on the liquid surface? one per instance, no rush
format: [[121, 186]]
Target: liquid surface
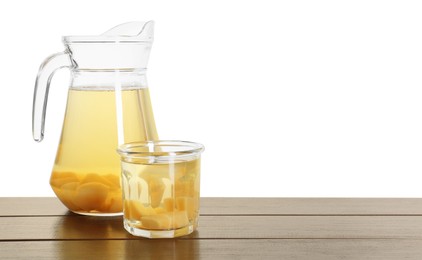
[[161, 197], [86, 173]]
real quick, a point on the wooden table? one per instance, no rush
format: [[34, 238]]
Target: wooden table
[[230, 228]]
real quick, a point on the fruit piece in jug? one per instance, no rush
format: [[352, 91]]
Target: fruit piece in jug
[[113, 203], [74, 191], [66, 193], [116, 204], [106, 180], [114, 180], [59, 179], [90, 196]]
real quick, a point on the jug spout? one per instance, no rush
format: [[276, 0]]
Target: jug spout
[[139, 30]]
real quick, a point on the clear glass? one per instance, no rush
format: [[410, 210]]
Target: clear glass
[[161, 185], [108, 104]]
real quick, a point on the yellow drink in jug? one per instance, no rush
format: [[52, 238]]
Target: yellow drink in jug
[[86, 173]]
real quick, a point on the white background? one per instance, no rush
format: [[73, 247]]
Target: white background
[[290, 98]]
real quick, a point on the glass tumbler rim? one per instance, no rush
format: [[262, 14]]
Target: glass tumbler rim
[[160, 149]]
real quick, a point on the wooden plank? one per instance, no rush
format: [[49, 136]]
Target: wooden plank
[[34, 206], [311, 206], [332, 249], [246, 206], [227, 227]]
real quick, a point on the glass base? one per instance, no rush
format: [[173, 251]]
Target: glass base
[[98, 214], [157, 233]]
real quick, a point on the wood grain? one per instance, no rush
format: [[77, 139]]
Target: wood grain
[[228, 227], [321, 249], [245, 206]]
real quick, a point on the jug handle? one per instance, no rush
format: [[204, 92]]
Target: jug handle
[[42, 86]]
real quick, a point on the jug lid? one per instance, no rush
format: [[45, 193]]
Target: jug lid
[[131, 32]]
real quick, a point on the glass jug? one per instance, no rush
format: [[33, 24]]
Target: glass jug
[[108, 104]]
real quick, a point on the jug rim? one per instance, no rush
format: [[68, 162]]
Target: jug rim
[[69, 39]]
